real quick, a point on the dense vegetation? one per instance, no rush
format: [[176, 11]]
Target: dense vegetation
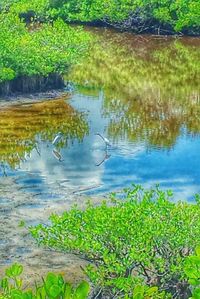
[[27, 53], [141, 240], [192, 270], [55, 287], [52, 47], [141, 246], [157, 16]]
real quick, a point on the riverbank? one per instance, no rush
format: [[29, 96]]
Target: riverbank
[[31, 98], [136, 27], [31, 84], [19, 208], [143, 95]]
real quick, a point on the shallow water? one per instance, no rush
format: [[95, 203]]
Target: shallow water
[[142, 93]]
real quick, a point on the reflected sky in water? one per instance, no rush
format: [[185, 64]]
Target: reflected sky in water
[[88, 167], [141, 93]]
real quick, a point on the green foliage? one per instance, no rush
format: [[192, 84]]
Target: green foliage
[[175, 15], [52, 287], [50, 48], [192, 270], [23, 6], [6, 74], [142, 239]]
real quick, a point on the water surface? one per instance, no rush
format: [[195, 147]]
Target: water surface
[[142, 93]]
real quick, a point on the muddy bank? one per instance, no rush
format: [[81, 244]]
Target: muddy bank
[[31, 98], [36, 83], [16, 244]]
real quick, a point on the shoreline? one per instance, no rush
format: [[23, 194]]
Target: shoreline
[[17, 245], [32, 84], [157, 29], [31, 98]]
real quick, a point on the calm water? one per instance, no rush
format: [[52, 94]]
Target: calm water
[[142, 93]]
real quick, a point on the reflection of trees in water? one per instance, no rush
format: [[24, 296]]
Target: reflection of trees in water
[[154, 83], [20, 125], [158, 123]]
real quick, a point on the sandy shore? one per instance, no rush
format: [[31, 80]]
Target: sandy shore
[[16, 244]]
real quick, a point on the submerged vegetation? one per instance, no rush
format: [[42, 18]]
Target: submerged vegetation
[[143, 239]]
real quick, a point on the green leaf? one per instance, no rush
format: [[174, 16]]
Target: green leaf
[[54, 291], [14, 271], [82, 291], [138, 292]]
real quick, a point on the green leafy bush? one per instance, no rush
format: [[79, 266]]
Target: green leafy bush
[[23, 6], [142, 239], [141, 15], [52, 287], [6, 74], [192, 270], [50, 48]]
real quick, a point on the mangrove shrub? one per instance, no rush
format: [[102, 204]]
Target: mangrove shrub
[[140, 15], [48, 49], [192, 270], [141, 239]]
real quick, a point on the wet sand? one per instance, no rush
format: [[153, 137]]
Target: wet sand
[[16, 244]]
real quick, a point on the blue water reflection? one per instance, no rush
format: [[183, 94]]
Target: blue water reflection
[[87, 166]]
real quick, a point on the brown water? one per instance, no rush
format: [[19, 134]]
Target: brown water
[[142, 93]]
